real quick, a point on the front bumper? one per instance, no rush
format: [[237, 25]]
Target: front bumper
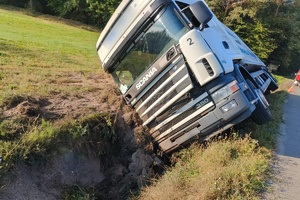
[[213, 122]]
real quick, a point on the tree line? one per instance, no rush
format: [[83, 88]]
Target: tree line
[[93, 12], [271, 28]]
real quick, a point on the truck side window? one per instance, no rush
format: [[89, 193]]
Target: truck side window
[[191, 17], [188, 13]]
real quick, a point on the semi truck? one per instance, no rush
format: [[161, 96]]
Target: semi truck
[[185, 73]]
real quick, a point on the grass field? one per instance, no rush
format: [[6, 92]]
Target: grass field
[[37, 53], [51, 66]]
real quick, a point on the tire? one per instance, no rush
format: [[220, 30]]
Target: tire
[[267, 92], [273, 85], [261, 114]]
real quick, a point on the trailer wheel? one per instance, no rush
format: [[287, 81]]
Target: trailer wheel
[[261, 114]]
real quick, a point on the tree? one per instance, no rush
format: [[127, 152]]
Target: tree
[[31, 5], [102, 10], [257, 36], [284, 18], [95, 12]]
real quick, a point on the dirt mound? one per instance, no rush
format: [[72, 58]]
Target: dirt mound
[[27, 108], [69, 107]]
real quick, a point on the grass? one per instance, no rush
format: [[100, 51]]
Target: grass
[[37, 54], [226, 169], [280, 79], [78, 193], [232, 168], [41, 141]]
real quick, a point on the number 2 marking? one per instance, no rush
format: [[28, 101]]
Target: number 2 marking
[[190, 41]]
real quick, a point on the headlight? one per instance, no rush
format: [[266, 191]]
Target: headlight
[[232, 104], [225, 91]]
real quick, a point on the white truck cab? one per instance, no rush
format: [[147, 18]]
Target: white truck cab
[[186, 74]]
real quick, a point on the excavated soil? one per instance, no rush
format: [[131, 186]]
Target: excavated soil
[[101, 96], [127, 165]]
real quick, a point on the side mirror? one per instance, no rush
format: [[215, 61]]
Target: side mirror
[[201, 13]]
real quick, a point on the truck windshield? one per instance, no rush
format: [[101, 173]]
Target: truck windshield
[[165, 32]]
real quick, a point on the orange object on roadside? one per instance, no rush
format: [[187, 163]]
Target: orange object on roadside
[[298, 76], [291, 88]]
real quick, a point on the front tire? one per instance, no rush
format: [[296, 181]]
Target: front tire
[[261, 114]]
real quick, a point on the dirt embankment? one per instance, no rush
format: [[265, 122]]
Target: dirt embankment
[[125, 167]]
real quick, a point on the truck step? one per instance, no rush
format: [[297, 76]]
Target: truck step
[[261, 79]]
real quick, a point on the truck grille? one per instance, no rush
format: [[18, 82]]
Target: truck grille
[[175, 83], [172, 103]]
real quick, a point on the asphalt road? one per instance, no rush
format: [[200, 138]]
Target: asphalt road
[[286, 184]]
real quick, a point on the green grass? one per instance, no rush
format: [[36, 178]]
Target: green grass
[[37, 54], [78, 193], [280, 79]]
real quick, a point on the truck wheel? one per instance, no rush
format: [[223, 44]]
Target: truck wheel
[[273, 85], [267, 92], [261, 114]]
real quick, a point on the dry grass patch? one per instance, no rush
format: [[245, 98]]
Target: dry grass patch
[[228, 169]]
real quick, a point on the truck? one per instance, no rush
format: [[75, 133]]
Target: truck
[[185, 73]]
